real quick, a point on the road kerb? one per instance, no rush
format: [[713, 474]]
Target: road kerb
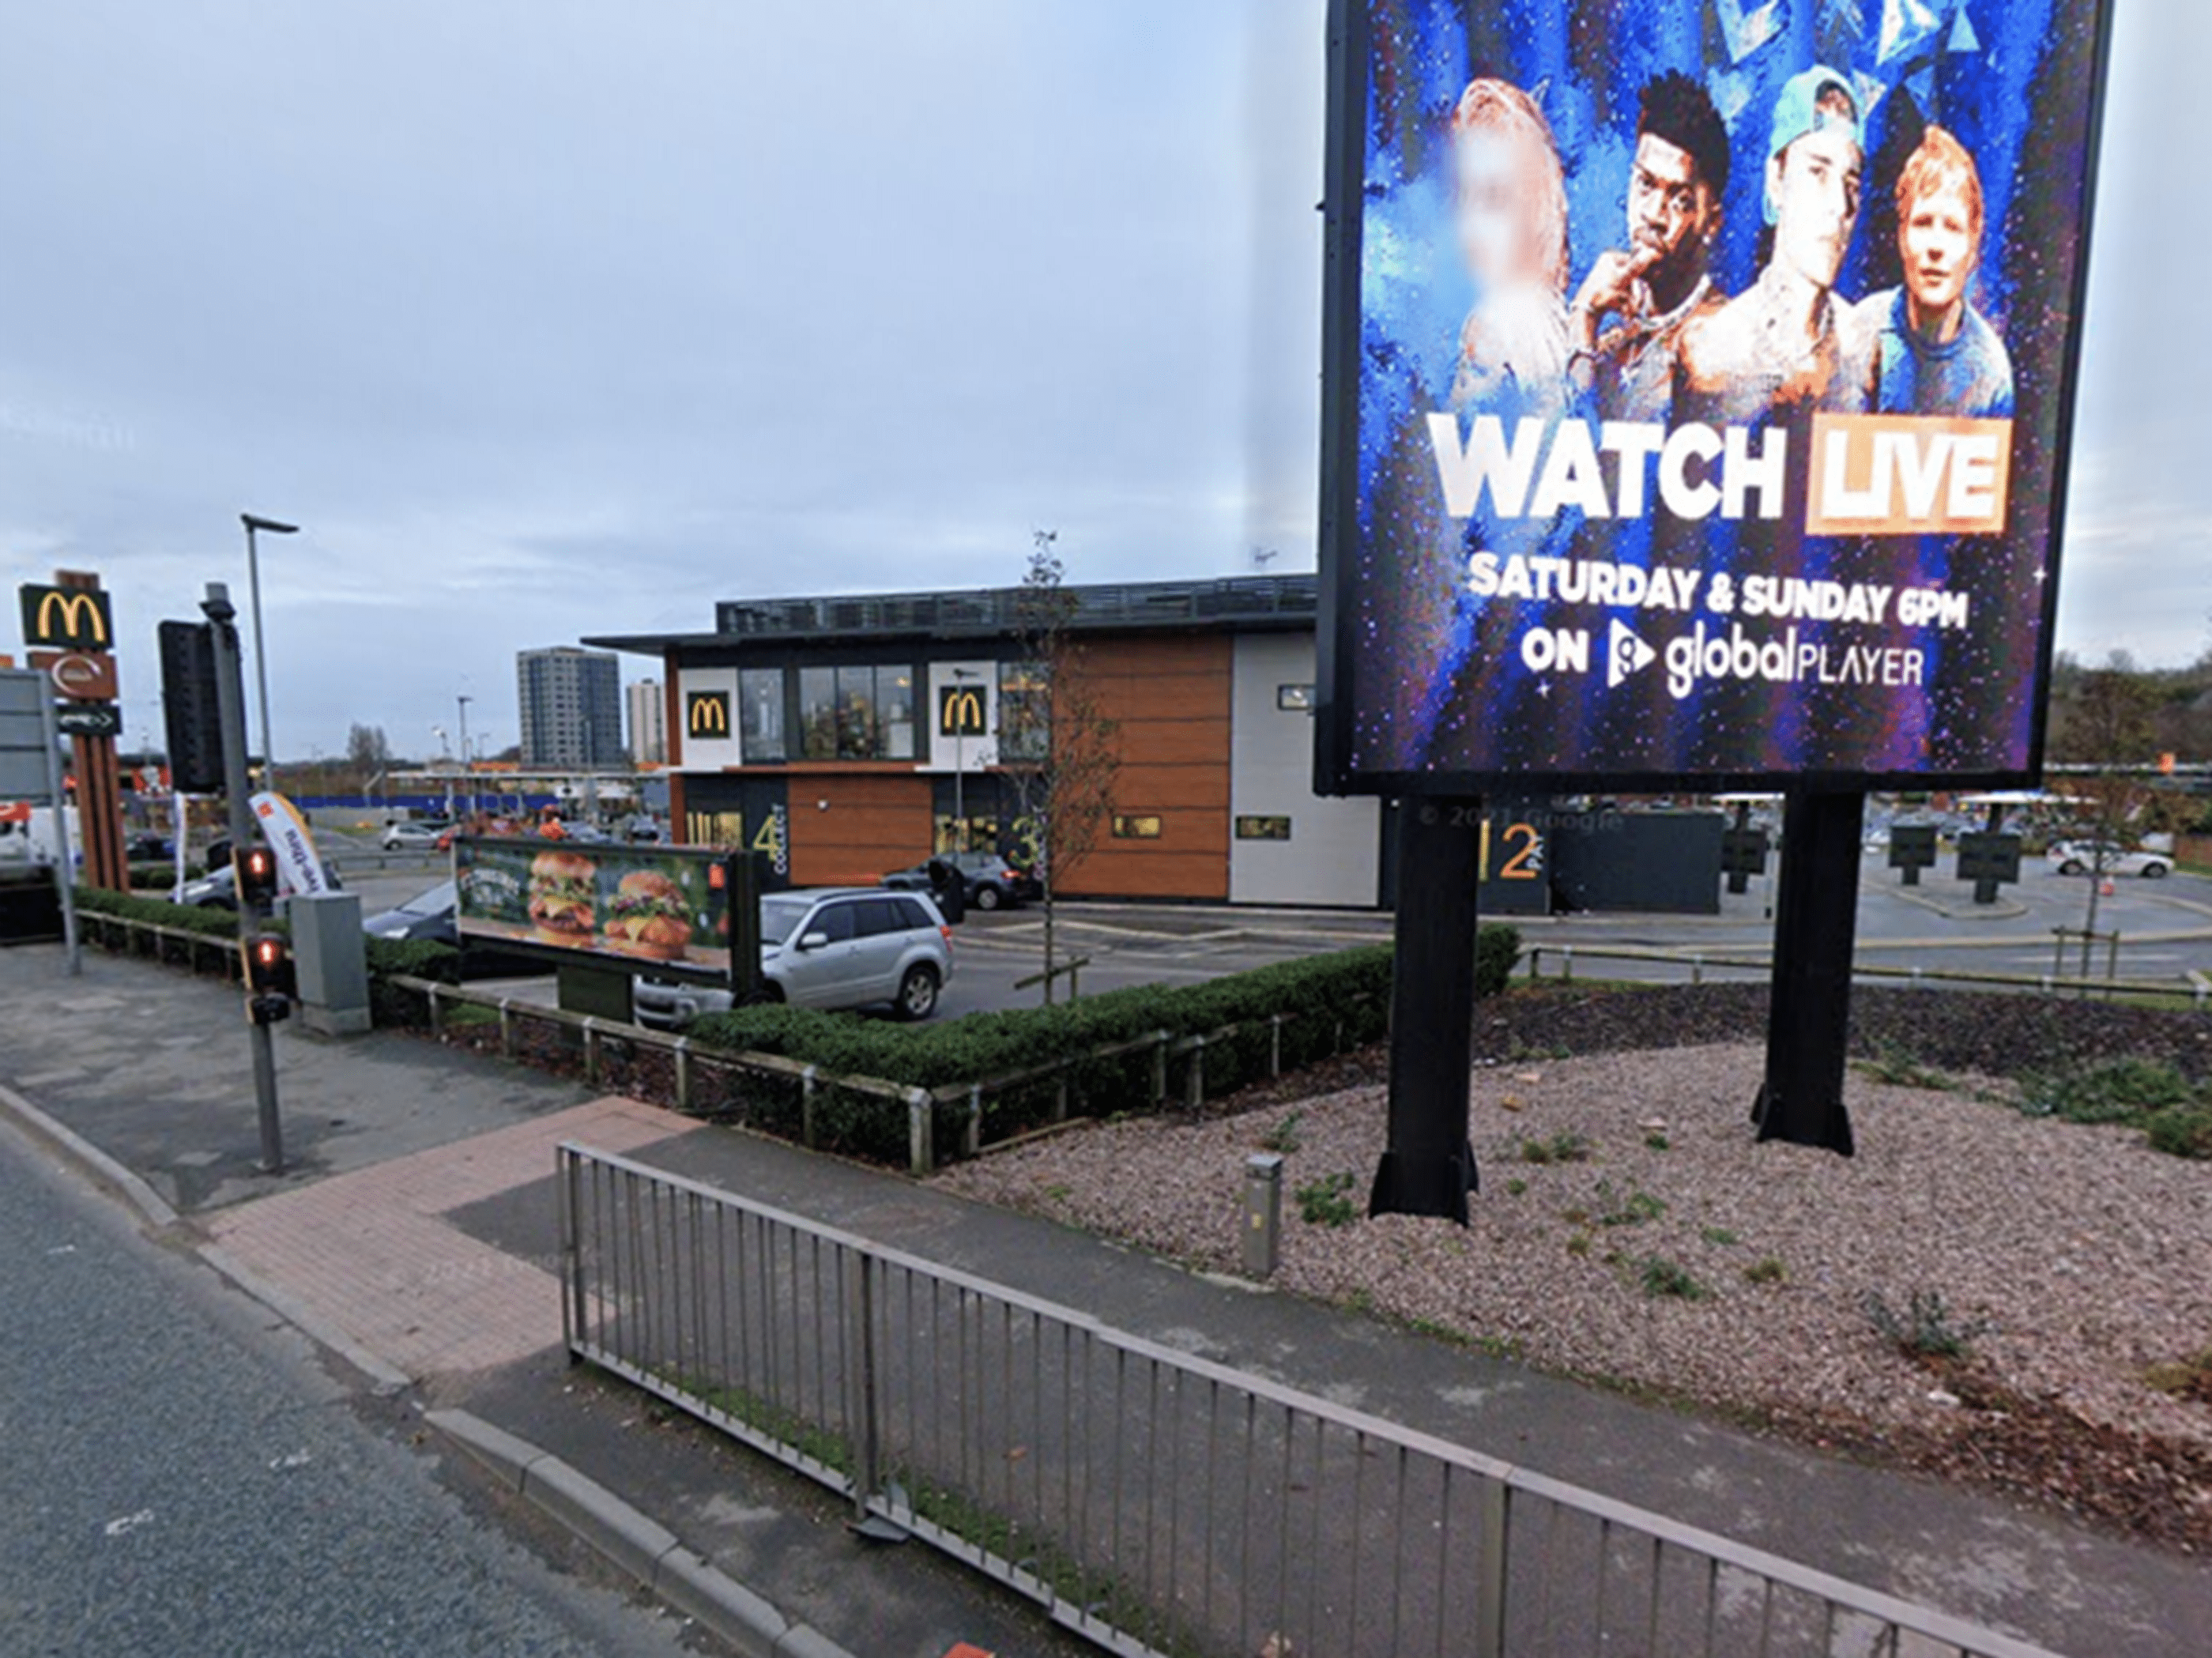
[[641, 1546], [388, 1376], [150, 1204]]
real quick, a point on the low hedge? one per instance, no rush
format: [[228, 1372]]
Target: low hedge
[[1332, 1002], [157, 912], [410, 958]]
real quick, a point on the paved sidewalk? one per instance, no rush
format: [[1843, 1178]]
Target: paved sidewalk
[[436, 1256], [416, 1235]]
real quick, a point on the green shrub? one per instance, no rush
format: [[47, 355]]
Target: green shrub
[[2116, 1091], [390, 959], [1630, 1208], [157, 912], [2181, 1131], [1327, 1201], [1496, 951], [1563, 1147], [1767, 1269], [1926, 1328], [1663, 1276], [1283, 1136]]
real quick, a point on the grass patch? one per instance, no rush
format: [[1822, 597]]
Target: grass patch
[[1767, 1269], [2115, 1092], [1283, 1136], [1515, 1186], [1565, 1147], [1926, 1327], [2185, 1378], [1655, 1141], [1662, 1278], [1631, 1208], [1328, 1201], [1719, 1236], [2181, 1131], [1897, 1066]]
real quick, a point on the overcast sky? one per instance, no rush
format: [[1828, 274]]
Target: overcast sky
[[546, 318]]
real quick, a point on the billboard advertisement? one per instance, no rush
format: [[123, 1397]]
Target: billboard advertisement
[[1697, 386], [659, 906]]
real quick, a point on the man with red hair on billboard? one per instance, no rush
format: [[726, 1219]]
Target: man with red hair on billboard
[[1510, 215], [1658, 285], [1933, 352]]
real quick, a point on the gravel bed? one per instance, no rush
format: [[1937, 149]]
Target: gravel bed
[[2085, 1253]]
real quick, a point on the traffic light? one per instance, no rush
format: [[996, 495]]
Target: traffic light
[[189, 707], [273, 983], [255, 870]]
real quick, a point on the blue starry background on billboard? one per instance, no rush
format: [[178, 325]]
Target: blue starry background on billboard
[[1904, 656]]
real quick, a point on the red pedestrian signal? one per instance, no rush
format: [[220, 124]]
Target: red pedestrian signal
[[255, 870], [273, 983]]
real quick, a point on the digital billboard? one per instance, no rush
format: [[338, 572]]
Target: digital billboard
[[666, 906], [1697, 386]]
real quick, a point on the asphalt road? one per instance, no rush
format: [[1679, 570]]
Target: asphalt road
[[2166, 929], [178, 1478]]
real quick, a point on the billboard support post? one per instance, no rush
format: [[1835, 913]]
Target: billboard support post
[[1428, 1164], [230, 701], [1809, 1023]]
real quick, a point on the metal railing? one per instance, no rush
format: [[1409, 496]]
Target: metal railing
[[1698, 964], [1153, 1502], [953, 1119]]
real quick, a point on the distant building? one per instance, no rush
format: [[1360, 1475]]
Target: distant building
[[648, 722], [847, 735], [571, 703]]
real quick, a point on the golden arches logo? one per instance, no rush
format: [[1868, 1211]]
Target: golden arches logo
[[707, 714], [960, 712], [66, 615]]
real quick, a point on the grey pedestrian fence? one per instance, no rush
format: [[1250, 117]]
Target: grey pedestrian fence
[[1153, 1501]]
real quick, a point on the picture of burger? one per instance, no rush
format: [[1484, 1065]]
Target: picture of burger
[[649, 917], [561, 899]]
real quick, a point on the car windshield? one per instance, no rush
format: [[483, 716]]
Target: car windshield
[[779, 917], [436, 901]]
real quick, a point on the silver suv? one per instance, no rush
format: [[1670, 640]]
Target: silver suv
[[840, 947]]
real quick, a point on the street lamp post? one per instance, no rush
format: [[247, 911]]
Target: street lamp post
[[959, 762], [254, 523], [465, 766]]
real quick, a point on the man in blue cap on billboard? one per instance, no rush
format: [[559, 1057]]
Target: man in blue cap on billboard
[[1781, 346]]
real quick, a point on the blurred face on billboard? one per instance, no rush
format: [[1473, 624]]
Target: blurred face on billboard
[[1937, 239], [1815, 187], [1491, 177], [1508, 204], [1671, 210]]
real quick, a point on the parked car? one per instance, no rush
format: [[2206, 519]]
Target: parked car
[[420, 835], [432, 916], [147, 848], [841, 947], [993, 882], [643, 827], [218, 888], [2080, 858]]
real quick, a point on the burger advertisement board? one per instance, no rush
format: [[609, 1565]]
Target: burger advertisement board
[[663, 907], [1697, 389]]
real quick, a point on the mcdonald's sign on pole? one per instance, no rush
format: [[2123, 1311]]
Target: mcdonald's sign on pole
[[960, 711], [66, 618], [707, 714]]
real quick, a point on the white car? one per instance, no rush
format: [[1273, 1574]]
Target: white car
[[412, 837], [841, 947], [2080, 858]]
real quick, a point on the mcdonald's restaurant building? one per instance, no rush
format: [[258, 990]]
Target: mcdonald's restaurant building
[[847, 736]]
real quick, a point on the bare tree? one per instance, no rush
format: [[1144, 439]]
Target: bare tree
[[2109, 727], [1056, 746]]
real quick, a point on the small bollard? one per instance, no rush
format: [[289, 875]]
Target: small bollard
[[1263, 1212]]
